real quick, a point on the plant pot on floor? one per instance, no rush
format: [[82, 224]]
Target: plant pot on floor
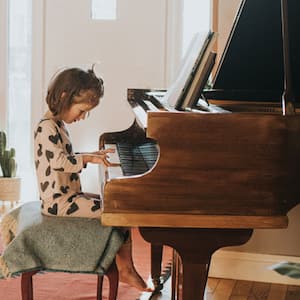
[[10, 189]]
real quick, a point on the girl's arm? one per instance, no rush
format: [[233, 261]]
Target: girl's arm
[[48, 143]]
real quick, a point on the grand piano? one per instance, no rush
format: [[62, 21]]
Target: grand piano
[[204, 179]]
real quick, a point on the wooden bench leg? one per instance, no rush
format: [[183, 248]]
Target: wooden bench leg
[[113, 280], [99, 287], [26, 285], [112, 275]]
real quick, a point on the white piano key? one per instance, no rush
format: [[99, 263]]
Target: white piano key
[[151, 106], [107, 173], [113, 157], [141, 116], [114, 171]]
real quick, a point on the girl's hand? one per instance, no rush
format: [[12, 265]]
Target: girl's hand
[[100, 152], [98, 157]]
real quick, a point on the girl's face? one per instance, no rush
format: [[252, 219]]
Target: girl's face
[[80, 108]]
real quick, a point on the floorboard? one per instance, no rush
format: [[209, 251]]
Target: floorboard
[[229, 289], [277, 292]]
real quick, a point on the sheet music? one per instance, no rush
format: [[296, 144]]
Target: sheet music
[[190, 60]]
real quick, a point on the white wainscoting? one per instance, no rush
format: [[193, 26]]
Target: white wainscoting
[[250, 266]]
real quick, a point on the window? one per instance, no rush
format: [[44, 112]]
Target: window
[[19, 91], [3, 63], [104, 9]]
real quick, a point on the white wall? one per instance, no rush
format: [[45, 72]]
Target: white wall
[[131, 52], [126, 48]]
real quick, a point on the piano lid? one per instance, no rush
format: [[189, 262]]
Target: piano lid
[[251, 66]]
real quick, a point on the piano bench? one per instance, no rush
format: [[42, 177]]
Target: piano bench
[[112, 275], [62, 244]]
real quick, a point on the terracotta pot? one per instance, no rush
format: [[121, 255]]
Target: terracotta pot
[[10, 188]]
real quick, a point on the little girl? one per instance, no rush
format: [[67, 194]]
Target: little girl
[[72, 94]]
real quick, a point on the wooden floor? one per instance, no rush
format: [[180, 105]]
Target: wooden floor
[[228, 289]]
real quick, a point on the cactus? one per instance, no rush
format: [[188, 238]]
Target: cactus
[[7, 158]]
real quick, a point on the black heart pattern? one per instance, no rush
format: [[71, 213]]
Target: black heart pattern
[[39, 129], [48, 171], [71, 198], [59, 169], [72, 208], [72, 159], [44, 185], [69, 148], [37, 163], [58, 123], [74, 176], [97, 205], [40, 152], [53, 210], [54, 138], [59, 135], [56, 195], [49, 155], [64, 189]]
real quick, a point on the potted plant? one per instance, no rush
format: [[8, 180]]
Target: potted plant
[[9, 183], [289, 269]]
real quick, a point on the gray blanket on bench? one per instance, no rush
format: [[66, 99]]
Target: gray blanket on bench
[[37, 242]]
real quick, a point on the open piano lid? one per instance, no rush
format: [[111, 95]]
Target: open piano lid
[[251, 67]]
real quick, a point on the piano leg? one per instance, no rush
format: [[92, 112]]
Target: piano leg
[[176, 278], [156, 258], [195, 246]]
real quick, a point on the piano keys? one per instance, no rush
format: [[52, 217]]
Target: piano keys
[[137, 159], [129, 159]]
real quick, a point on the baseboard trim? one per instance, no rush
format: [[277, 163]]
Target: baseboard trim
[[250, 266]]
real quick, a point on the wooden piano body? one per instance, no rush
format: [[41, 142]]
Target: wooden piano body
[[217, 176], [225, 170]]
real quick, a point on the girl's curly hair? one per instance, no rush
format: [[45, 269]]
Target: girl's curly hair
[[70, 82]]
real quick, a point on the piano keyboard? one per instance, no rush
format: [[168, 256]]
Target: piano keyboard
[[133, 159], [137, 159]]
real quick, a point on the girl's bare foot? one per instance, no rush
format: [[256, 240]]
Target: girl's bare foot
[[132, 278], [127, 271]]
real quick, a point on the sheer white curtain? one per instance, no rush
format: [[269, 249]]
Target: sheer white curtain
[[3, 62], [18, 112]]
